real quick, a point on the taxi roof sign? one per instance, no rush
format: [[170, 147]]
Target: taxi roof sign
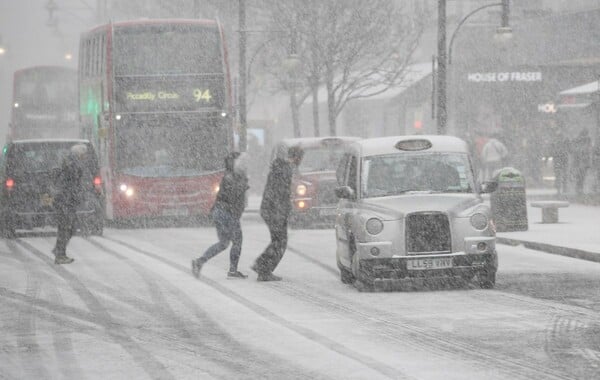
[[413, 145]]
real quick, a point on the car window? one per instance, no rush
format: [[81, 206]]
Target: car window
[[430, 172], [44, 157], [321, 159]]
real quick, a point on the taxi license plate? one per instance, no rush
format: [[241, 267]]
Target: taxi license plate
[[429, 263], [327, 211], [175, 212]]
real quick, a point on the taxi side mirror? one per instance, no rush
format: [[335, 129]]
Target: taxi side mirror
[[344, 192], [489, 187]]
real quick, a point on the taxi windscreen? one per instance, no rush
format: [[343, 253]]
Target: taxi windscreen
[[416, 172]]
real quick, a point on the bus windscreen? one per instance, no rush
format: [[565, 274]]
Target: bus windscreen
[[170, 146], [167, 50], [46, 89]]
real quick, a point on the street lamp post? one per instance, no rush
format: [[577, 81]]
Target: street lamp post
[[441, 72], [242, 75], [2, 48], [291, 65], [503, 30]]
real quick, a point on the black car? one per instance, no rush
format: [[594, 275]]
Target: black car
[[29, 169]]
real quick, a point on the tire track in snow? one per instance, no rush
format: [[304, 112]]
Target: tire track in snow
[[31, 358], [328, 343], [435, 342], [216, 343], [154, 368]]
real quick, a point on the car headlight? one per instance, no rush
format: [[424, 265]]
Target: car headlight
[[127, 190], [479, 221], [374, 226], [301, 189]]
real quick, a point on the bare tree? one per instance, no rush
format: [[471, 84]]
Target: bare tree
[[356, 48]]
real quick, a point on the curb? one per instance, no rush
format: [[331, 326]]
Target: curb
[[552, 249]]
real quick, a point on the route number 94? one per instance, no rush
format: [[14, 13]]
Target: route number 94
[[202, 95]]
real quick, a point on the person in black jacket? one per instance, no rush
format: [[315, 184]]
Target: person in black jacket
[[275, 209], [70, 192], [226, 213]]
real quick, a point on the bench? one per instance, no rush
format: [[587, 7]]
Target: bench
[[549, 209]]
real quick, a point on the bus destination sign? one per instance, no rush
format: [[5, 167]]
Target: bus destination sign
[[142, 95]]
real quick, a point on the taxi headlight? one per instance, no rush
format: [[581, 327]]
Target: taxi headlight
[[301, 189], [479, 221], [374, 226]]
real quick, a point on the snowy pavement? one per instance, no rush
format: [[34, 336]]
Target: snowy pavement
[[577, 234], [128, 307]]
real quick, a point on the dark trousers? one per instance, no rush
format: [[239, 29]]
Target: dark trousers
[[561, 179], [580, 179], [270, 258], [228, 230], [65, 221]]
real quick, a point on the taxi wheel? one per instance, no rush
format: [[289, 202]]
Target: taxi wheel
[[361, 281], [487, 280], [346, 276], [7, 229]]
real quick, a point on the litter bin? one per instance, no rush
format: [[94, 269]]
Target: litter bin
[[508, 202]]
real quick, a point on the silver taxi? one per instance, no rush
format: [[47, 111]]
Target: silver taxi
[[410, 210]]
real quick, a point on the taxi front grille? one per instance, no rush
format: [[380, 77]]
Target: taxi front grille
[[427, 233]]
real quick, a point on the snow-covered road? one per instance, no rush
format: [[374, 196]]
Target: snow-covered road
[[128, 307]]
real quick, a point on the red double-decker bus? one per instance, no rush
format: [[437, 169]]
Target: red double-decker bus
[[44, 103], [155, 100]]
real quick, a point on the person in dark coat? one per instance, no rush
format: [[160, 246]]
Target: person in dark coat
[[560, 162], [275, 209], [70, 193], [581, 148], [226, 213]]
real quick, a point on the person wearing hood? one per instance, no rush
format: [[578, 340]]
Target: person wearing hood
[[226, 214], [581, 148], [275, 209], [70, 193]]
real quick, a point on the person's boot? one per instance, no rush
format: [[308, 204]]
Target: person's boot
[[236, 274], [197, 266], [63, 259], [268, 277]]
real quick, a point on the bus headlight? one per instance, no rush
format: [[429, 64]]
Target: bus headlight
[[374, 226], [301, 190], [479, 221], [127, 190]]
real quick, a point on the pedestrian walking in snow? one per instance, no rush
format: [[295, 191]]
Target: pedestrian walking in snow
[[581, 150], [493, 155], [70, 193], [226, 214], [596, 161], [560, 162], [275, 209]]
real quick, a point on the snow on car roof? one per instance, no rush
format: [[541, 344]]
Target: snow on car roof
[[310, 142], [387, 145], [50, 140]]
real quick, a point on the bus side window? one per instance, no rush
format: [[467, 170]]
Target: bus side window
[[102, 53]]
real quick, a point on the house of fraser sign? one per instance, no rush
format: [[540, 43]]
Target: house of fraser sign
[[509, 76]]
